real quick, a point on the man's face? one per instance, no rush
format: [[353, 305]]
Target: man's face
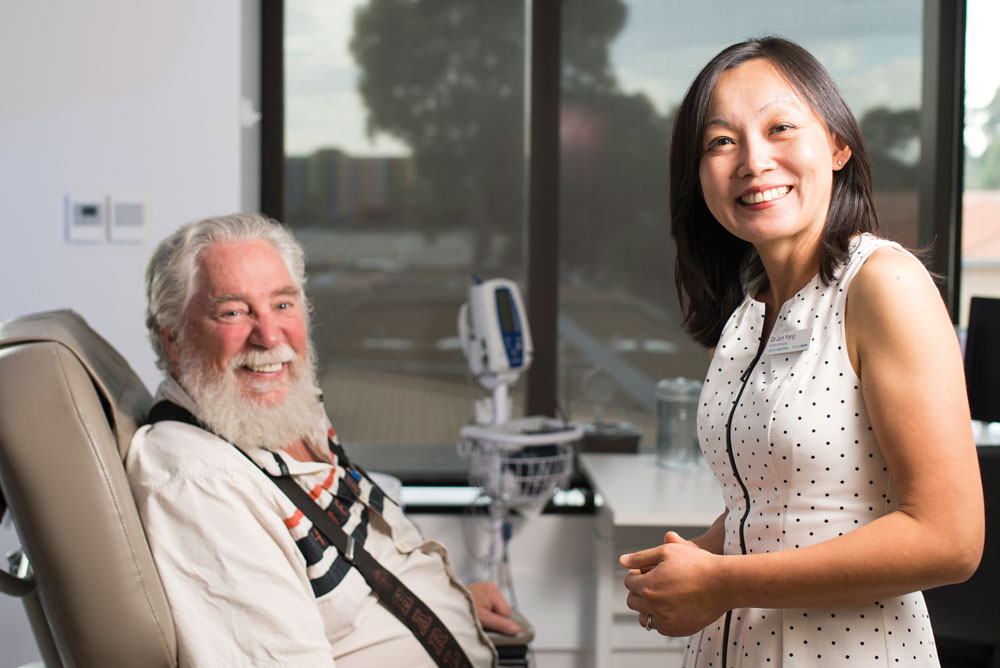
[[245, 318]]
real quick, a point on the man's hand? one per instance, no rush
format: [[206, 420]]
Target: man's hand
[[676, 583], [492, 608]]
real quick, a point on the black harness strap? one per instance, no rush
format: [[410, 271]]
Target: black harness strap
[[397, 597]]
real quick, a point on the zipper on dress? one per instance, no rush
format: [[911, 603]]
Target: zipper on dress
[[744, 378]]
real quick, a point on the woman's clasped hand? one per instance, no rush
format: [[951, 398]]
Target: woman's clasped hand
[[678, 580]]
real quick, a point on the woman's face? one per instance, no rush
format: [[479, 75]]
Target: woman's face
[[767, 159]]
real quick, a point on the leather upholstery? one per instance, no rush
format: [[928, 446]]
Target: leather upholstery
[[69, 404]]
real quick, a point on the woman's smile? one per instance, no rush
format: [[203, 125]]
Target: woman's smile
[[760, 196]]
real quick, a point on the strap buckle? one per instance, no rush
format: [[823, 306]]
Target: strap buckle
[[349, 554]]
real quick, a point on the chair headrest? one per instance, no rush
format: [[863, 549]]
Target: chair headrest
[[124, 396]]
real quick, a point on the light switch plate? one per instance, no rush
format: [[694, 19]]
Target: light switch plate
[[86, 219], [128, 220]]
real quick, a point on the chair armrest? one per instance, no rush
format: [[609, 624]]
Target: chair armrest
[[21, 584]]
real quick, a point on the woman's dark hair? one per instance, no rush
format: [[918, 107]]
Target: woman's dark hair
[[714, 267]]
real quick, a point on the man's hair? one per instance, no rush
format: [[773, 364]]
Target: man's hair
[[171, 273], [714, 267]]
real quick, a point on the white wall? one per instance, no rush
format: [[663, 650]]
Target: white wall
[[120, 98]]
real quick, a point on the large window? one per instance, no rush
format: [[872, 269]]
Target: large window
[[407, 170], [981, 200]]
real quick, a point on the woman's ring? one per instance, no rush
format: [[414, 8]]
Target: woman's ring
[[649, 623]]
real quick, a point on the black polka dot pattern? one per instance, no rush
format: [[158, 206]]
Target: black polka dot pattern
[[798, 463]]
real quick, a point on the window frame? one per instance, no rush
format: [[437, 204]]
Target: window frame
[[942, 149]]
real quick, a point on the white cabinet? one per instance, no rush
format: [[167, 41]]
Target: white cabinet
[[641, 502]]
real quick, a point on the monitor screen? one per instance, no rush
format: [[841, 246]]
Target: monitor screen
[[982, 359], [505, 308]]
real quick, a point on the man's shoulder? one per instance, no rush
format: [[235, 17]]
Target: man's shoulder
[[169, 450]]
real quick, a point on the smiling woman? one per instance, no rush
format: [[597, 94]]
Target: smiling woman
[[837, 457]]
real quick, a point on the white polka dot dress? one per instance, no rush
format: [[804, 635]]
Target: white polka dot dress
[[788, 437]]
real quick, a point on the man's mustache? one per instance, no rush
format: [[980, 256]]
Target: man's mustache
[[255, 358]]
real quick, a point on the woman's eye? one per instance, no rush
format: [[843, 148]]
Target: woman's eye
[[719, 141], [783, 127]]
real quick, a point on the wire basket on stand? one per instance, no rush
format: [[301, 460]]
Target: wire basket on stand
[[518, 464]]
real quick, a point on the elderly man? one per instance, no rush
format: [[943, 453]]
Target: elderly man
[[251, 580]]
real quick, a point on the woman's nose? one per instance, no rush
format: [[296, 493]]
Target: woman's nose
[[755, 158]]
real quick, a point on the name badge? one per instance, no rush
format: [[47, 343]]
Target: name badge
[[788, 342]]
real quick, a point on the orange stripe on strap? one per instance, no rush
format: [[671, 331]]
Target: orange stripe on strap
[[294, 520], [314, 494]]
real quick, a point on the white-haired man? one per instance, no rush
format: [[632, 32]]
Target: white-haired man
[[250, 580]]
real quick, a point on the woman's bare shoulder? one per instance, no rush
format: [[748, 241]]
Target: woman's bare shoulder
[[891, 277]]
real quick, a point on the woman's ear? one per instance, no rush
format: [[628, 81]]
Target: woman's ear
[[841, 152]]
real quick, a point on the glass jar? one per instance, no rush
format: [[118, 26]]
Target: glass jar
[[676, 423]]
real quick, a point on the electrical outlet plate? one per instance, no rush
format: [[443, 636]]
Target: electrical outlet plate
[[86, 218]]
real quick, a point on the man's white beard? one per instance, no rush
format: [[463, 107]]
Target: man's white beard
[[224, 409]]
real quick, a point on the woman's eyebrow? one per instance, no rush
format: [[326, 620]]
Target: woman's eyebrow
[[792, 102], [719, 121]]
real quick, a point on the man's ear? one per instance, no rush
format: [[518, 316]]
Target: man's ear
[[841, 153], [169, 340]]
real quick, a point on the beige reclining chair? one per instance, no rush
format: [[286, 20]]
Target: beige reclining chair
[[69, 404]]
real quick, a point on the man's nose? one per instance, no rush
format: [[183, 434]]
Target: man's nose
[[266, 332], [755, 157]]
